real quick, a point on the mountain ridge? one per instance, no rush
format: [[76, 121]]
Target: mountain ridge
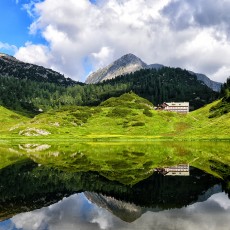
[[12, 67], [130, 63]]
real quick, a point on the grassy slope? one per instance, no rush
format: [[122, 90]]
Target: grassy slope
[[204, 127], [128, 116], [8, 120]]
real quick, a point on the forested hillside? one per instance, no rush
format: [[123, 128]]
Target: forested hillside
[[165, 84], [11, 67]]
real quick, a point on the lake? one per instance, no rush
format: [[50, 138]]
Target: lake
[[153, 185]]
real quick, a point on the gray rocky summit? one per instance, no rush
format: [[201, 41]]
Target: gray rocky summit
[[126, 64]]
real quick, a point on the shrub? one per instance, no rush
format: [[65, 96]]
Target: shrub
[[139, 123], [147, 113], [219, 109], [14, 117], [119, 112], [128, 100]]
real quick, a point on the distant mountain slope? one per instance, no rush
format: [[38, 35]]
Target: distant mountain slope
[[130, 63], [216, 86], [11, 67]]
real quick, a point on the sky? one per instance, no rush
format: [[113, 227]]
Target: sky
[[76, 38]]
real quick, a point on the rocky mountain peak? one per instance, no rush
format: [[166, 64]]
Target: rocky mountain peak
[[126, 64], [128, 59]]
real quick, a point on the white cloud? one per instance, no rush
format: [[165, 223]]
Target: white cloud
[[103, 57], [176, 33], [102, 218], [220, 199], [221, 73], [7, 47], [30, 221], [36, 54]]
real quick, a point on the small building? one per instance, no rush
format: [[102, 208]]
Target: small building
[[178, 170], [179, 107]]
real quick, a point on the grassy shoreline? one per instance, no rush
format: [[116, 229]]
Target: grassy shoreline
[[107, 139]]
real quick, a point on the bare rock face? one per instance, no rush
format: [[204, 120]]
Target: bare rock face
[[130, 63], [126, 64]]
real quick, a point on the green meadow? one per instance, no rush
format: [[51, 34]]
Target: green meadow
[[126, 118]]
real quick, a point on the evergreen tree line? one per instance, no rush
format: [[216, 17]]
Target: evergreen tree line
[[166, 84], [225, 89]]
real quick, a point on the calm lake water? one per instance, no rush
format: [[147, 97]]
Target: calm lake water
[[115, 186]]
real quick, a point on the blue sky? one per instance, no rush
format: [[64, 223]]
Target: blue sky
[[14, 25], [77, 37]]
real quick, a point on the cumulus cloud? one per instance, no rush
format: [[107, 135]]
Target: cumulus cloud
[[36, 54], [84, 35]]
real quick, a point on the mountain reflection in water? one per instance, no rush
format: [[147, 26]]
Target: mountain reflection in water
[[158, 201]]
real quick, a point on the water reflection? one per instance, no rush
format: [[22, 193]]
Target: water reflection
[[76, 212], [58, 187], [27, 186], [176, 170]]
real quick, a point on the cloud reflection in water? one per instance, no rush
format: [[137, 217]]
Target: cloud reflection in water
[[76, 212]]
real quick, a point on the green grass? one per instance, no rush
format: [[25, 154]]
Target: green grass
[[127, 117], [10, 120], [204, 127]]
